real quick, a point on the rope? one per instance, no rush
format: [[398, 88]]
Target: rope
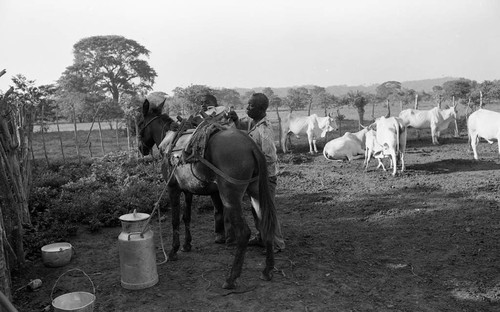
[[156, 205]]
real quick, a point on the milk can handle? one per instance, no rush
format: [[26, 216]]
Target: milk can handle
[[53, 287], [135, 233]]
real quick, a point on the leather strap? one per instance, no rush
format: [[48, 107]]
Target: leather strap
[[225, 176]]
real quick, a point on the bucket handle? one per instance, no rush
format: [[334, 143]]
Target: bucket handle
[[53, 287]]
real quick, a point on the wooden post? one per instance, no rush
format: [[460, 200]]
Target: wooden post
[[42, 131], [480, 99], [116, 134], [76, 136], [100, 136], [60, 136], [279, 125], [373, 110], [416, 101], [128, 140]]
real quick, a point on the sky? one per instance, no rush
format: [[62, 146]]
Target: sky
[[261, 43]]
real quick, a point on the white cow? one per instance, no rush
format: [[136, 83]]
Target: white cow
[[485, 124], [391, 135], [349, 146], [373, 148], [436, 119], [312, 125]]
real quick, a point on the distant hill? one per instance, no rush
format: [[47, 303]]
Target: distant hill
[[417, 85]]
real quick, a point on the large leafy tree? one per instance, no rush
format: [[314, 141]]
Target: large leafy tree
[[459, 89], [110, 65], [389, 91], [322, 99], [297, 98], [190, 97], [228, 97]]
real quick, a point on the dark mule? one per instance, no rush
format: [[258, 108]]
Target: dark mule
[[238, 159]]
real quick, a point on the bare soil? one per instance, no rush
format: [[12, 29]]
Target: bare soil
[[424, 240]]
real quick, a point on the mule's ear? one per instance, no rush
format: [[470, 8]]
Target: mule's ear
[[145, 108], [160, 107]]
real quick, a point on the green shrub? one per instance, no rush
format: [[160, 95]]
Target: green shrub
[[93, 194]]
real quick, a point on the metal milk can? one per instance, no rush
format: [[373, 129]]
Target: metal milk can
[[137, 252]]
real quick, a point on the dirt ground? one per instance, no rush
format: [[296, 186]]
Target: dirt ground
[[425, 240]]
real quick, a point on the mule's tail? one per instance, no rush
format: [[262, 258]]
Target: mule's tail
[[266, 202]]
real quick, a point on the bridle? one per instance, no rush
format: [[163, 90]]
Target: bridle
[[163, 132]]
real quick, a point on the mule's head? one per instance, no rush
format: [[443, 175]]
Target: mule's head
[[150, 131]]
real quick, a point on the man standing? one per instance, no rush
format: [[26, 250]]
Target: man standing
[[259, 129]]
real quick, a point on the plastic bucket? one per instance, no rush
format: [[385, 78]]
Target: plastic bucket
[[75, 301]]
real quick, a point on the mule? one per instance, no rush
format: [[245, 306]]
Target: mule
[[232, 166]]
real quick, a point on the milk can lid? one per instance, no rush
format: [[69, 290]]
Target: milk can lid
[[136, 216]]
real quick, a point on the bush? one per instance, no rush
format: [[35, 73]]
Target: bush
[[94, 194]]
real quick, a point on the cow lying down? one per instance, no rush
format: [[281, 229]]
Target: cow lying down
[[349, 146]]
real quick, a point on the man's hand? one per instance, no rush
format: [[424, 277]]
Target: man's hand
[[174, 126], [233, 116]]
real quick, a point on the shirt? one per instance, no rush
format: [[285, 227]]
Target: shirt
[[262, 133]]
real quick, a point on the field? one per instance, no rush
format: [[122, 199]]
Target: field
[[424, 240]]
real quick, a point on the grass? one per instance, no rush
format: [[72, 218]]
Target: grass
[[111, 142]]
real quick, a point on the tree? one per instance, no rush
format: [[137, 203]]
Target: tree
[[459, 89], [191, 97], [389, 90], [322, 99], [111, 65], [228, 97], [438, 94], [298, 98], [246, 97], [358, 100]]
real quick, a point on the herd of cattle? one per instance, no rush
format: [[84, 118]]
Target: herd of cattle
[[386, 137]]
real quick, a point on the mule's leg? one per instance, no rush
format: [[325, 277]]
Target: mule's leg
[[174, 194], [242, 235], [231, 198], [220, 236], [186, 218]]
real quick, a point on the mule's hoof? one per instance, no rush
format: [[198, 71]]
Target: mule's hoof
[[229, 285], [186, 248], [173, 257], [266, 276]]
